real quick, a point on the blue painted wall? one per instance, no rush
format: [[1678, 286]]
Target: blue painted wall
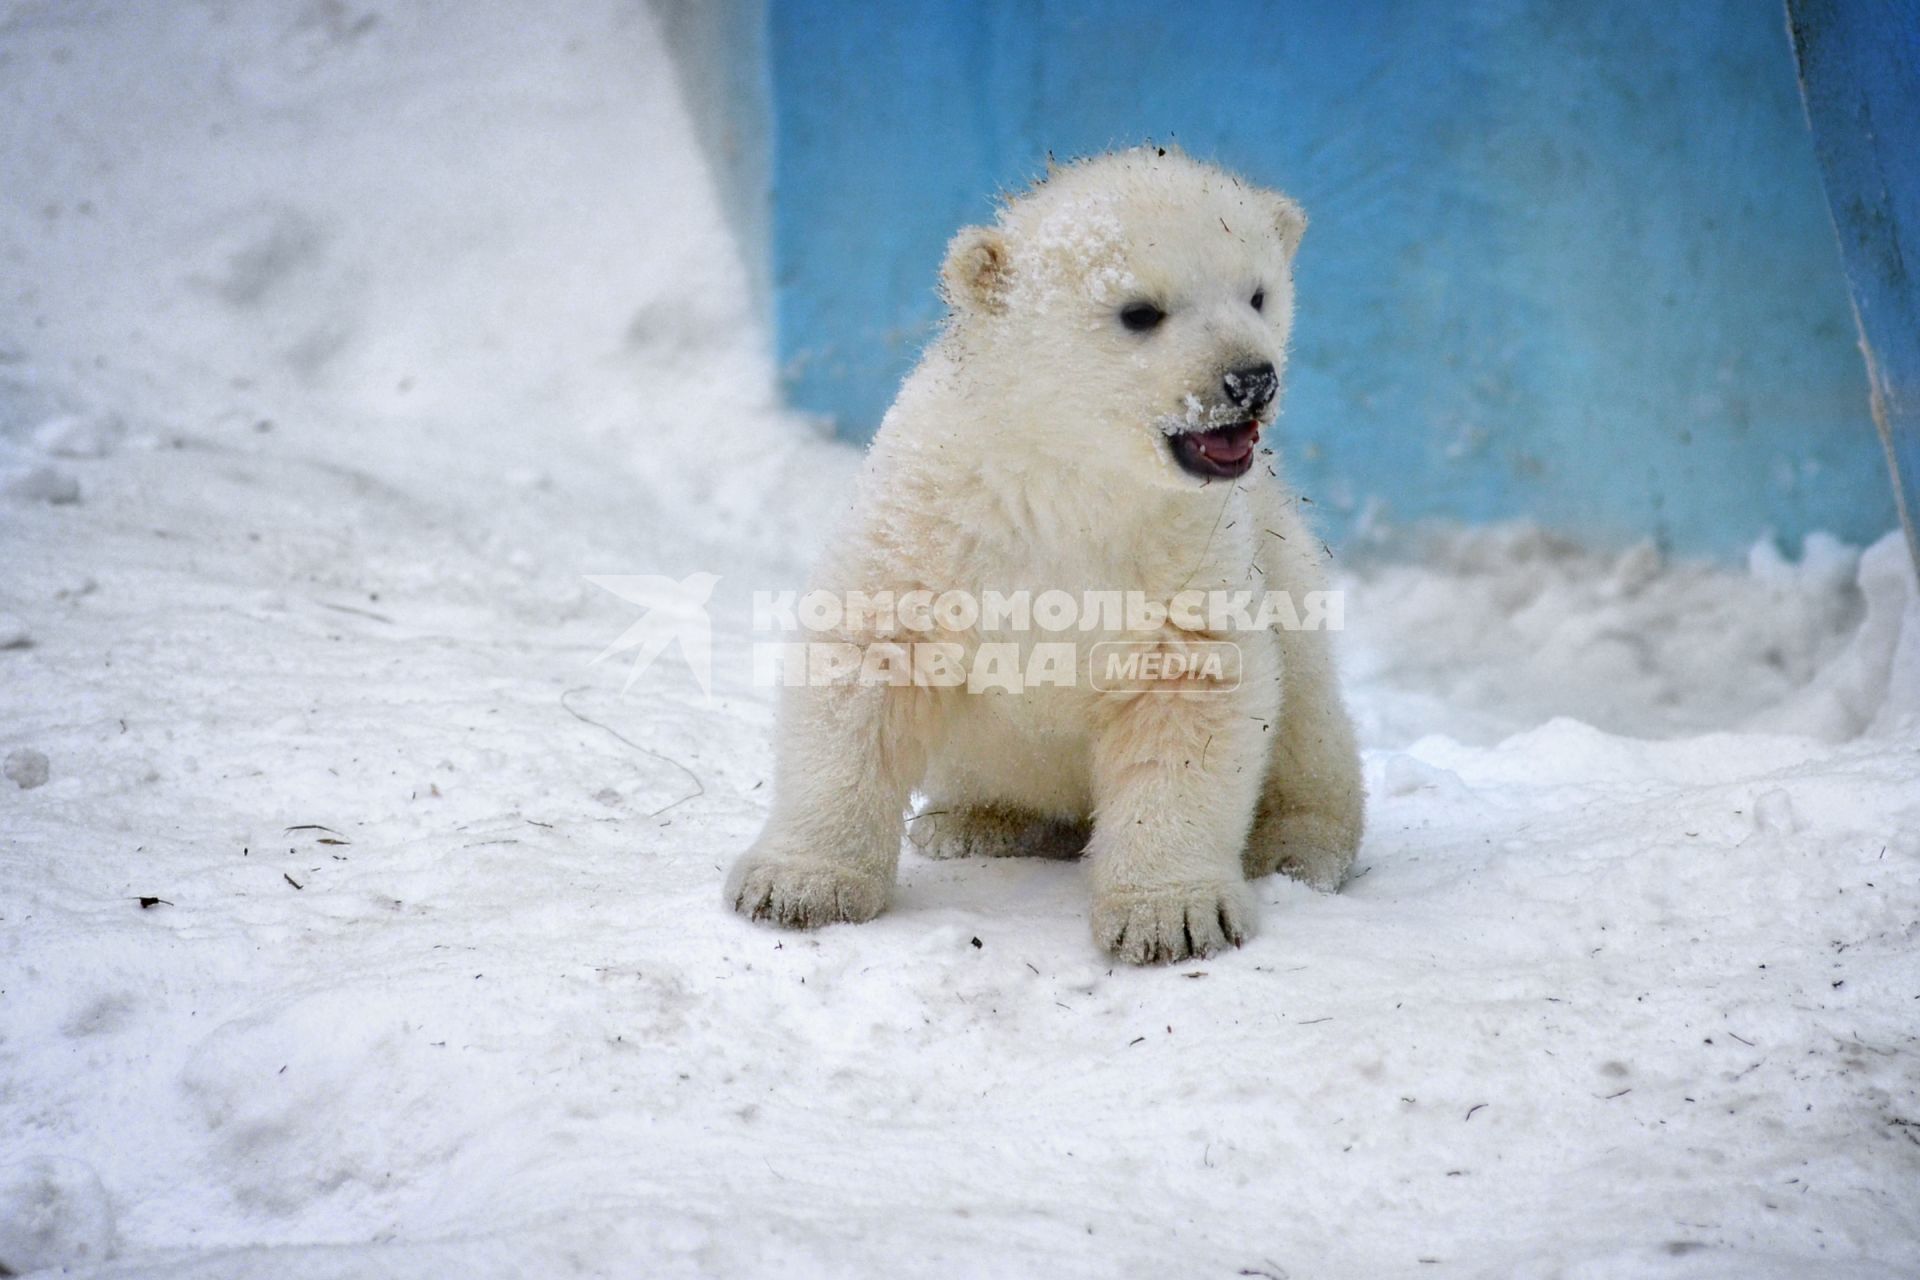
[[1860, 77], [1567, 260]]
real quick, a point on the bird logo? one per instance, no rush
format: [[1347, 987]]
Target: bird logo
[[675, 611]]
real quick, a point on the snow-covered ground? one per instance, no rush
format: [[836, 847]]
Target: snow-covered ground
[[361, 927]]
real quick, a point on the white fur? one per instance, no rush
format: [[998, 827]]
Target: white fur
[[1029, 450]]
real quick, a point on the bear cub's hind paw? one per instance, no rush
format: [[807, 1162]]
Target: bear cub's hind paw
[[984, 831]]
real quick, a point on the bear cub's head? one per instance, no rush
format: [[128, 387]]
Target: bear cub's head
[[1132, 312]]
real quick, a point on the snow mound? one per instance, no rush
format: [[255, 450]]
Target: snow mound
[[1512, 624], [53, 1213]]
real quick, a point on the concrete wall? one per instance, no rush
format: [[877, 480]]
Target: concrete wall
[[1568, 261]]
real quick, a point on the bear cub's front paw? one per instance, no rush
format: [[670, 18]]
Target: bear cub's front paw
[[1162, 924], [804, 893]]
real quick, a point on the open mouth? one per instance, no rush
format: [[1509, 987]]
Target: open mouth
[[1225, 453]]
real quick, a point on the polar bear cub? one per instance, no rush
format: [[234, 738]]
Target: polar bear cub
[[1086, 423]]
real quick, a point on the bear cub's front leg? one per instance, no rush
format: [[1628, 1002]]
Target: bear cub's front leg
[[1177, 775], [847, 757]]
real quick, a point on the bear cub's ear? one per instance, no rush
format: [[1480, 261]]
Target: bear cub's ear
[[1291, 221], [978, 271]]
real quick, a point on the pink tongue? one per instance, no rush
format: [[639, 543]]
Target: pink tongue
[[1229, 444]]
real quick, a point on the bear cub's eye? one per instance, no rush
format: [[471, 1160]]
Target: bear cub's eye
[[1141, 316], [1259, 299]]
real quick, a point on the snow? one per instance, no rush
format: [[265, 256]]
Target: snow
[[43, 484], [57, 1213], [363, 926], [26, 768]]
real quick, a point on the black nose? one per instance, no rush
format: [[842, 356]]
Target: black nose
[[1252, 386]]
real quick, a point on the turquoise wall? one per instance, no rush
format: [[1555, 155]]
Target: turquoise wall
[[1860, 76], [1567, 261]]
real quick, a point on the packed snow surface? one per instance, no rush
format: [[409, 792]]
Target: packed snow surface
[[352, 923]]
